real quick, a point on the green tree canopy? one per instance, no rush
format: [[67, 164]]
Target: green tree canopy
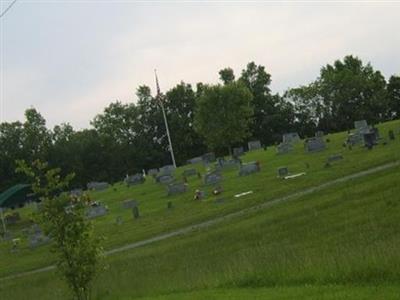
[[223, 114]]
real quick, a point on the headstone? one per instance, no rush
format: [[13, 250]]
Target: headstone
[[129, 204], [95, 211], [353, 139], [291, 138], [36, 237], [135, 179], [238, 151], [223, 164], [189, 172], [76, 192], [249, 168], [212, 177], [152, 172], [314, 144], [370, 139], [195, 160], [97, 186], [283, 171], [284, 148], [254, 145], [208, 157], [12, 218], [391, 135], [361, 126], [334, 158], [176, 188], [167, 170], [166, 178], [319, 134], [135, 212]]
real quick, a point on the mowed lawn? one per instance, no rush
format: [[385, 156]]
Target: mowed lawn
[[339, 243], [156, 219]]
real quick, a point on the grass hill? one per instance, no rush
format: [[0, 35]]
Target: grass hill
[[339, 242]]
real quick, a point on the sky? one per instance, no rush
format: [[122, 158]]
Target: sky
[[71, 59]]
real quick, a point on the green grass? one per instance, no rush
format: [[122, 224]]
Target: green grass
[[340, 241]]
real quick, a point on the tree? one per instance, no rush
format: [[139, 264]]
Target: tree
[[223, 115], [393, 88], [180, 102], [272, 115], [226, 75], [63, 219], [351, 91]]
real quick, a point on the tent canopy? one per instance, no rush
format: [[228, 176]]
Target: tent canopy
[[16, 196]]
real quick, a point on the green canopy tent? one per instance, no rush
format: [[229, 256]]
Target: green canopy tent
[[16, 196]]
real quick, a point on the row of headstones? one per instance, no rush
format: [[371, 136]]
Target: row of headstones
[[313, 144]]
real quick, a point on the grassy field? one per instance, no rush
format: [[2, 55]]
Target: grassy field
[[339, 243]]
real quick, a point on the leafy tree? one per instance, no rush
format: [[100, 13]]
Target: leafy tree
[[351, 91], [223, 115], [272, 115], [63, 219], [307, 106], [180, 103], [393, 88], [227, 75], [36, 137]]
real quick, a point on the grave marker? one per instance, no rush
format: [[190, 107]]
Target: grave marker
[[249, 168], [129, 204], [254, 145], [238, 151], [176, 188], [284, 148], [195, 160], [97, 186], [283, 172], [314, 144], [290, 138], [166, 178], [212, 177], [135, 179], [96, 210]]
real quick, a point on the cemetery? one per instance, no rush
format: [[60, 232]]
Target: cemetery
[[259, 177]]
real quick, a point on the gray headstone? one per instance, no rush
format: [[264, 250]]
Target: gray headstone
[[319, 134], [96, 211], [135, 212], [284, 148], [254, 145], [290, 138], [12, 218], [212, 177], [314, 145], [361, 125], [238, 151], [223, 164], [249, 168], [166, 178], [176, 188], [135, 179], [76, 192], [97, 186], [283, 171], [189, 172], [168, 169], [353, 139], [208, 157], [129, 204], [152, 172], [195, 160]]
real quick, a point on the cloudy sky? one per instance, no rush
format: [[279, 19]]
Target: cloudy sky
[[70, 59]]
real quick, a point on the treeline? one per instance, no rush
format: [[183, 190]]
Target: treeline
[[127, 138]]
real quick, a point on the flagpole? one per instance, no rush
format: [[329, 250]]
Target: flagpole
[[171, 150]]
